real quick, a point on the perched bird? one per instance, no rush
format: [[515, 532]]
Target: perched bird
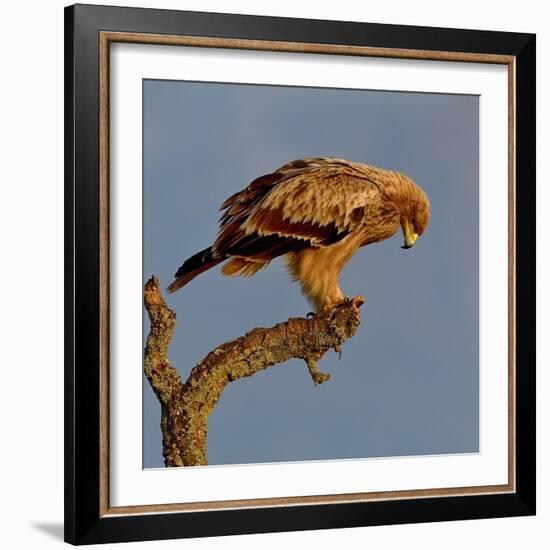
[[316, 212]]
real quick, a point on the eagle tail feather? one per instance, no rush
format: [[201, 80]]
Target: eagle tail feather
[[193, 266], [243, 267]]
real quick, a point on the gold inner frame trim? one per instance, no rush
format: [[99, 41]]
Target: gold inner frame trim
[[105, 39]]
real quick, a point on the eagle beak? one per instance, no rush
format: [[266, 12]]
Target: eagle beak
[[410, 236]]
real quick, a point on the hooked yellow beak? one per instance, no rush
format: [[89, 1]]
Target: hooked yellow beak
[[410, 236]]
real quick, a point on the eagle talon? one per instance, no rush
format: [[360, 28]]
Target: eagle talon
[[329, 310], [338, 350]]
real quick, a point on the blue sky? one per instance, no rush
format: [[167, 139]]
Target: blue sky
[[407, 383]]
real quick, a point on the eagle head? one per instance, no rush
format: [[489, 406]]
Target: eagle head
[[415, 214]]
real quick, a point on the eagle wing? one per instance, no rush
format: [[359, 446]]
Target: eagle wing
[[308, 202]]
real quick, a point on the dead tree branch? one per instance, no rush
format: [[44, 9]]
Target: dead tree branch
[[187, 406]]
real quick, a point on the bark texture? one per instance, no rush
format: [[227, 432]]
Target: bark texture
[[186, 406]]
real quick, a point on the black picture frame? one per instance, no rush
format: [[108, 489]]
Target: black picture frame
[[84, 523]]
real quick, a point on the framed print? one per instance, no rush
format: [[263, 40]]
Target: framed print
[[299, 274]]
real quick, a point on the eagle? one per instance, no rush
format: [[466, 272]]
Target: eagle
[[316, 213]]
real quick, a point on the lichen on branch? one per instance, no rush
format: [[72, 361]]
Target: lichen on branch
[[187, 406]]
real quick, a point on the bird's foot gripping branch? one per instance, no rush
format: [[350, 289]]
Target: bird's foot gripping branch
[[186, 406]]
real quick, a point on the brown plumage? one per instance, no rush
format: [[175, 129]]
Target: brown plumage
[[316, 213]]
